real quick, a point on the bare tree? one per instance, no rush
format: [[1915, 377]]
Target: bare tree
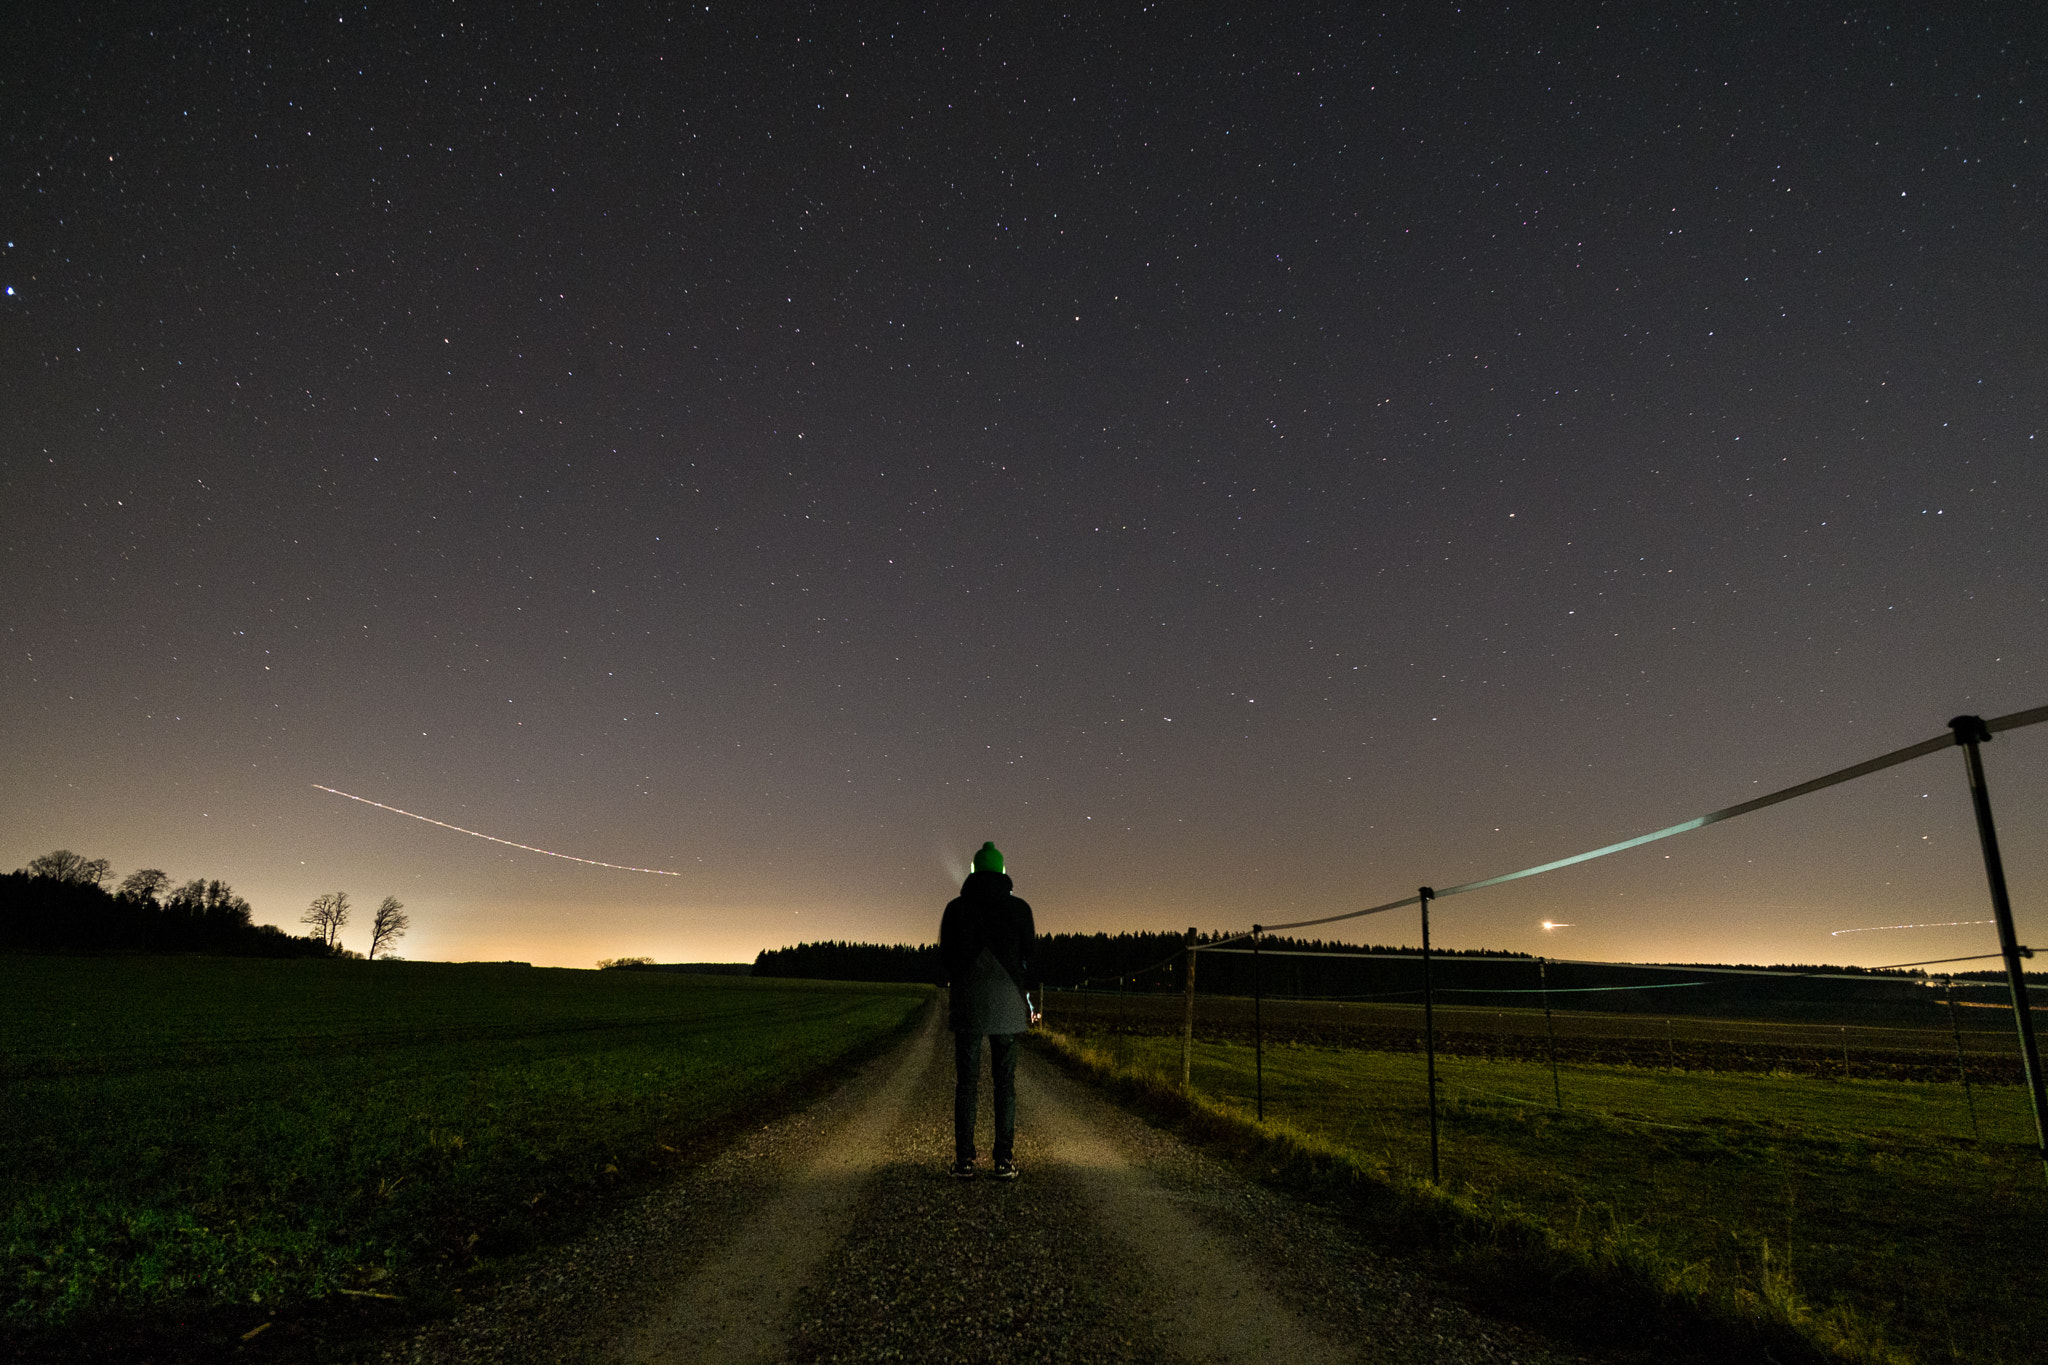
[[387, 924], [66, 866], [327, 914], [145, 884]]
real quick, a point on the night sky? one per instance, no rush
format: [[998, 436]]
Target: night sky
[[1247, 464]]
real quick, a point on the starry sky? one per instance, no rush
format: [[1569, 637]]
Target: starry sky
[[1246, 461]]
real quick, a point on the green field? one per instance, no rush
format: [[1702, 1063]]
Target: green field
[[1863, 1210], [187, 1133]]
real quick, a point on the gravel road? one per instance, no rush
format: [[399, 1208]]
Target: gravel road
[[835, 1235]]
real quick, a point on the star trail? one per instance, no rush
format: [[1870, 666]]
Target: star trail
[[509, 843]]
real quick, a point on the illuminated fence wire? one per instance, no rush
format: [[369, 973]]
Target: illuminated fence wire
[[1341, 955], [1822, 783]]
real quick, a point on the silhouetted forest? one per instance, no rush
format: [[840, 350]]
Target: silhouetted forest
[[57, 905], [852, 962], [1153, 962], [1063, 960]]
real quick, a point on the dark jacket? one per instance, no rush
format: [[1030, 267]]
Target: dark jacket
[[985, 944]]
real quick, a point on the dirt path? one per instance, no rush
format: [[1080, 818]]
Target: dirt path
[[837, 1236], [734, 1306], [1206, 1299]]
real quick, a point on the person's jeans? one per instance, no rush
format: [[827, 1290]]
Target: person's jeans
[[1002, 1058]]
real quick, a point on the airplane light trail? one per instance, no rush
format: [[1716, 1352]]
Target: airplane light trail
[[1945, 924], [617, 867], [1553, 924]]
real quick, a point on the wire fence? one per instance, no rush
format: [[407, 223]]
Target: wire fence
[[1967, 732], [1866, 1116], [1948, 1038]]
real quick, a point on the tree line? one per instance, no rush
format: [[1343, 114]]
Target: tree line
[[60, 903], [1148, 962], [852, 962], [1100, 960], [1128, 961]]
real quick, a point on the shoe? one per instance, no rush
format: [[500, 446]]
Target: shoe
[[1005, 1170], [963, 1170]]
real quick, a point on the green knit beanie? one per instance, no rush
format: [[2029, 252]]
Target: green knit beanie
[[988, 859]]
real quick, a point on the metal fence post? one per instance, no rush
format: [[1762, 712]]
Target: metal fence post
[[1429, 1034], [1187, 1019], [1955, 1024], [1550, 1030], [1258, 1029], [1971, 732]]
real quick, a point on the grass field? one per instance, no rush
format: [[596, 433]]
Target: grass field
[[1863, 1210], [186, 1134]]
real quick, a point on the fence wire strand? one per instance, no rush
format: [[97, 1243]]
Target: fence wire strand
[[1949, 740], [1416, 956]]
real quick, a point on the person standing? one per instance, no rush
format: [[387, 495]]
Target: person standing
[[985, 939]]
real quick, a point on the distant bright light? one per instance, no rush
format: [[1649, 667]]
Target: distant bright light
[[1553, 924]]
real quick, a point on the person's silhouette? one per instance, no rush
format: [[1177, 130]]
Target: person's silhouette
[[985, 940]]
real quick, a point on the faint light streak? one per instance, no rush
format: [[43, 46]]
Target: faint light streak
[[1945, 924], [509, 843], [1553, 924]]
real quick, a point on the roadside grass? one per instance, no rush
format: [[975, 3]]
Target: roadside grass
[[184, 1135], [1859, 1216]]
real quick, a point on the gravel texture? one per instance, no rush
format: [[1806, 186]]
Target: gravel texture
[[835, 1235]]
